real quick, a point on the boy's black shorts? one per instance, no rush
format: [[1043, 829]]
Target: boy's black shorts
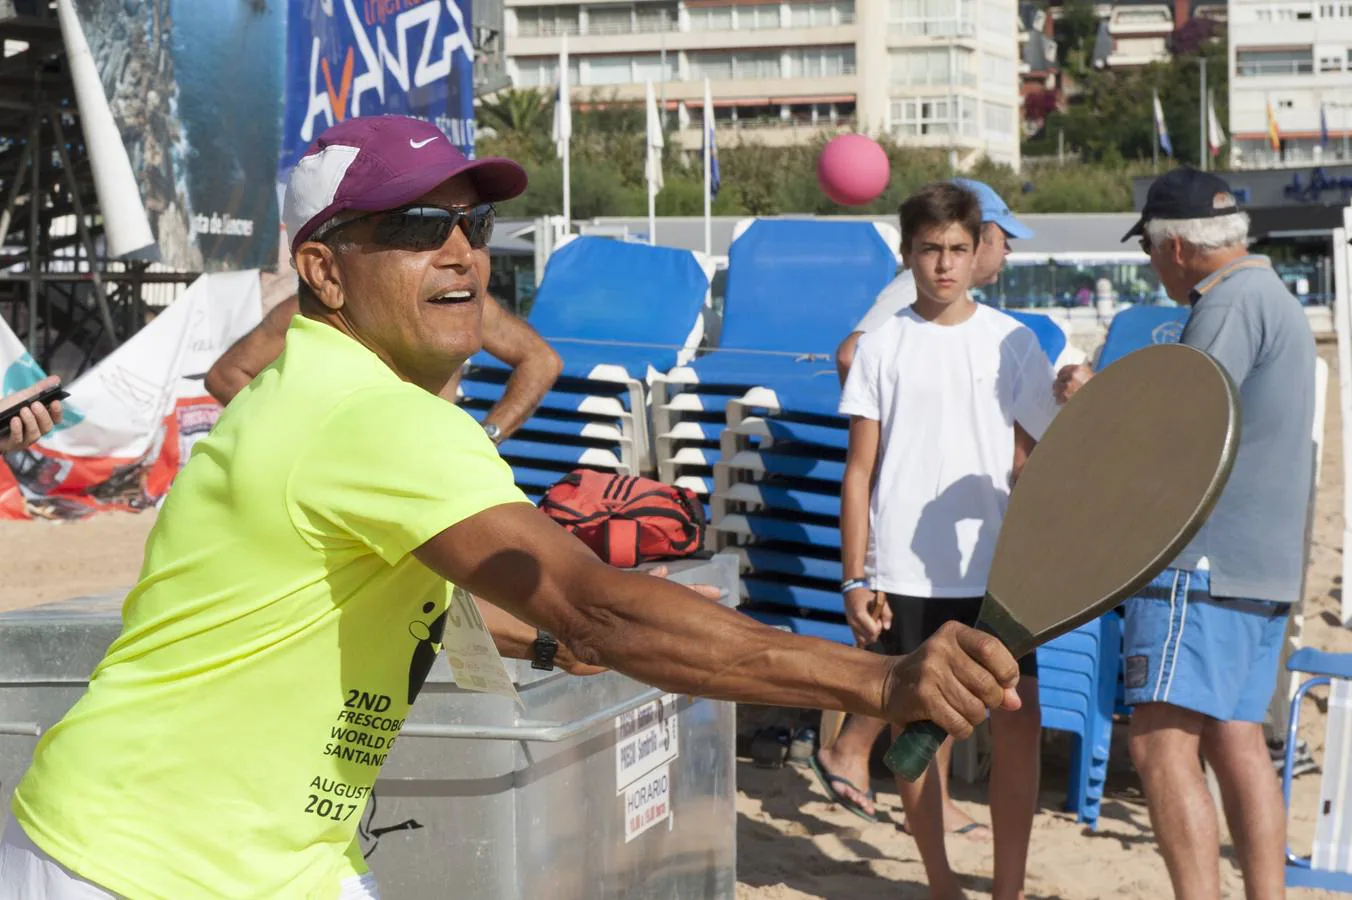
[[915, 619]]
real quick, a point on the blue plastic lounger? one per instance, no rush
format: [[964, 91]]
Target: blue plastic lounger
[[776, 617], [1049, 335], [608, 303], [1141, 326], [765, 591], [789, 560], [617, 313], [795, 288], [1329, 865]]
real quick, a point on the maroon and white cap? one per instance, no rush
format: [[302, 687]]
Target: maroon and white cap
[[372, 163]]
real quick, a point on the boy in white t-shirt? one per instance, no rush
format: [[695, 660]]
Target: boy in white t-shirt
[[945, 399]]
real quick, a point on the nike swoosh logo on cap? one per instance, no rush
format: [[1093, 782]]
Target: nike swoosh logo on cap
[[418, 145]]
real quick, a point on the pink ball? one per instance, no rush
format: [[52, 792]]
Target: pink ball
[[853, 169]]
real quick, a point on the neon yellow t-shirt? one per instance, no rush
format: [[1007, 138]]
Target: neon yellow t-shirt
[[277, 636]]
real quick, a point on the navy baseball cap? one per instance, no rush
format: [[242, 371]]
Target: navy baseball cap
[[994, 208], [1185, 193], [372, 163]]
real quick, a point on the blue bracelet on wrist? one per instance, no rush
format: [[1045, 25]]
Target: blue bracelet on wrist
[[851, 584]]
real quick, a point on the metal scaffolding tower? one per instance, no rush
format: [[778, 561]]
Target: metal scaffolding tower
[[59, 292]]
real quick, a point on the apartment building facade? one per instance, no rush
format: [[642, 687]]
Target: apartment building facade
[[940, 73], [1291, 63]]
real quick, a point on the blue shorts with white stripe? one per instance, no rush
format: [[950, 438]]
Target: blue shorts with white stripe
[[1215, 656]]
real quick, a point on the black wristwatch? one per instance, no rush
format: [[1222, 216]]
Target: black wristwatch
[[543, 650]]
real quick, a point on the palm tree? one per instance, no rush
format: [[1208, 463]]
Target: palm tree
[[516, 113]]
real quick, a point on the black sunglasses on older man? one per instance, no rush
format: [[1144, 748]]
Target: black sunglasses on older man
[[423, 227]]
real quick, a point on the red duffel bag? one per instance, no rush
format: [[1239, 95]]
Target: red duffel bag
[[627, 519]]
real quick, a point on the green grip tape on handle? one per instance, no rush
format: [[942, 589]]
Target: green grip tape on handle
[[910, 755]]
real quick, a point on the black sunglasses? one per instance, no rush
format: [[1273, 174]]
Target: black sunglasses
[[422, 227], [1145, 245]]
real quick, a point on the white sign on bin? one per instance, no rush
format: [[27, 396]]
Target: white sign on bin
[[645, 738], [647, 802]]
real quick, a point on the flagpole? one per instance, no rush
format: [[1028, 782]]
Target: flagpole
[[566, 97], [708, 122], [1201, 105], [1155, 130], [652, 193]]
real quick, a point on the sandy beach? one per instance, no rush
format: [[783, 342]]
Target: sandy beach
[[792, 844]]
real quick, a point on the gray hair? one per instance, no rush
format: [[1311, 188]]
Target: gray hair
[[327, 227], [1217, 233]]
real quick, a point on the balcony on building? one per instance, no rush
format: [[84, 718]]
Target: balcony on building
[[770, 121], [819, 74], [596, 28]]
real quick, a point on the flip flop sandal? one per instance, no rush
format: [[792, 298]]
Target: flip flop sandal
[[828, 782], [969, 828], [963, 831]]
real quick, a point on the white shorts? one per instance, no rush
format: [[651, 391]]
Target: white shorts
[[26, 873]]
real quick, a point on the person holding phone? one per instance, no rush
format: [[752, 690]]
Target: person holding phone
[[27, 415]]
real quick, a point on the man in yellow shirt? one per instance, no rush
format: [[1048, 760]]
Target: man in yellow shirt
[[317, 550]]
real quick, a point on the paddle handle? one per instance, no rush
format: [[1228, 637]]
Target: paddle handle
[[910, 755]]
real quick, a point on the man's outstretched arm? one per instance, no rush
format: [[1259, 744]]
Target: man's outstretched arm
[[252, 353], [665, 634]]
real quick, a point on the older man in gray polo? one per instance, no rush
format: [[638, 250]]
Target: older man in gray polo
[[1202, 643]]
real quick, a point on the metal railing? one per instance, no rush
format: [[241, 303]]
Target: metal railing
[[1274, 67], [939, 28], [933, 79]]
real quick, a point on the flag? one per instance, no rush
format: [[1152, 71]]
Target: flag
[[1161, 131], [1215, 135], [1274, 136], [714, 180], [563, 106], [653, 166], [1323, 126]]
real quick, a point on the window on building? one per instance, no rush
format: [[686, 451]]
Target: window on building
[[935, 117], [714, 66], [734, 18], [820, 62], [998, 119], [546, 21], [821, 14], [933, 18], [543, 71], [1128, 16], [1251, 63], [997, 71], [742, 65], [933, 65], [624, 69], [653, 17], [756, 18], [1330, 63], [997, 18], [610, 20], [710, 18]]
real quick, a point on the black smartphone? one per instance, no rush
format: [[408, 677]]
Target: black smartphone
[[51, 395]]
